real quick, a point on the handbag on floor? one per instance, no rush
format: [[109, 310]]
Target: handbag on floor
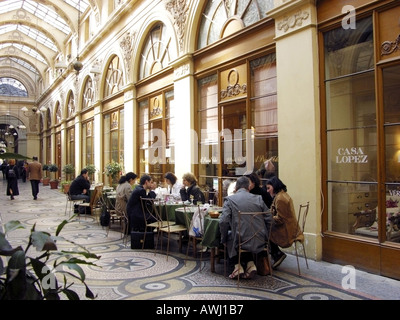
[[262, 265]]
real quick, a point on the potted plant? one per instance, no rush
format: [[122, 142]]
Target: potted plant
[[113, 170], [45, 179], [65, 184], [29, 277], [91, 170], [53, 182], [68, 169]]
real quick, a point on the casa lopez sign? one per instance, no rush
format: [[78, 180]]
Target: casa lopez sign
[[351, 155]]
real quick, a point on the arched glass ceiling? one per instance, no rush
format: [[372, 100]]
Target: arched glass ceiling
[[30, 32], [4, 61], [12, 87], [33, 53]]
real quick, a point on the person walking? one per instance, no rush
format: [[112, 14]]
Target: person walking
[[34, 174], [12, 176]]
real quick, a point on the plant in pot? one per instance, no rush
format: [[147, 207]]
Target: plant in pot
[[45, 179], [53, 182], [69, 170], [113, 170], [24, 276], [91, 170]]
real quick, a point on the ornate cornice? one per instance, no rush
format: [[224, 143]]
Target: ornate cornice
[[295, 20], [179, 11]]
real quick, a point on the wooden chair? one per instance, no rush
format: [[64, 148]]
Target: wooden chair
[[95, 201], [256, 231], [301, 219]]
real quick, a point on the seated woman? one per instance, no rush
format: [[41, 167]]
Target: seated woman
[[174, 186], [123, 192], [285, 229], [191, 189]]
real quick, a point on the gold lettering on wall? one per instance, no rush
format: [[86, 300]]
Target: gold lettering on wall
[[234, 83], [156, 107]]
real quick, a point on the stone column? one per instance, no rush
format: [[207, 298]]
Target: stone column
[[299, 109], [186, 143]]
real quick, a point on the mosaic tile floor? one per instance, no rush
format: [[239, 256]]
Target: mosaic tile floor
[[125, 274]]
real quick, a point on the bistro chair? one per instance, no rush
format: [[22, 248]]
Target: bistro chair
[[255, 231], [302, 217], [71, 203], [95, 201], [150, 211], [195, 237]]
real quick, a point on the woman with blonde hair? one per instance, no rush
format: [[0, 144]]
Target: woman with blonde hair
[[191, 191], [12, 176]]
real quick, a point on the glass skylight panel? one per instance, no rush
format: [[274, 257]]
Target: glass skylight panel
[[31, 52], [38, 36], [12, 87], [82, 4]]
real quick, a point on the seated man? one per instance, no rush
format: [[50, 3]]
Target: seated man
[[79, 189], [134, 207], [242, 200]]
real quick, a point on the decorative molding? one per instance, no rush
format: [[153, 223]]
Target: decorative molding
[[182, 70], [234, 88], [127, 48], [388, 47], [179, 11], [295, 20]]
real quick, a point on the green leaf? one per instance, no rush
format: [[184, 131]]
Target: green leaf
[[89, 294], [71, 295], [39, 267], [74, 266], [13, 225], [87, 255], [42, 241], [61, 226], [5, 247]]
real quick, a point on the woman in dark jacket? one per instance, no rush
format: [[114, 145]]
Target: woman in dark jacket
[[191, 191], [256, 189], [12, 179]]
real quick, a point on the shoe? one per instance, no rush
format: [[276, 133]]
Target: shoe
[[34, 198], [251, 270], [278, 259], [237, 271], [12, 197]]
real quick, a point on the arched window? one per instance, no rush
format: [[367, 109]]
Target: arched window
[[12, 87], [156, 53], [114, 78], [224, 17], [88, 95]]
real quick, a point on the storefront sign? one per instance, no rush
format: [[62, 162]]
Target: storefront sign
[[351, 155]]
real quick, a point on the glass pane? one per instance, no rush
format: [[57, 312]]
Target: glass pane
[[352, 155], [391, 82], [234, 125], [351, 102], [349, 51], [353, 209]]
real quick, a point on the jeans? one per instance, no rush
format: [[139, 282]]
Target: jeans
[[35, 187]]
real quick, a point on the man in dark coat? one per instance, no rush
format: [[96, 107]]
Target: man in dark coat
[[79, 189], [134, 206]]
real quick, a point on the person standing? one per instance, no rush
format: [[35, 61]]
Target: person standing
[[34, 174], [134, 206], [286, 228], [79, 189], [242, 200], [12, 176]]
